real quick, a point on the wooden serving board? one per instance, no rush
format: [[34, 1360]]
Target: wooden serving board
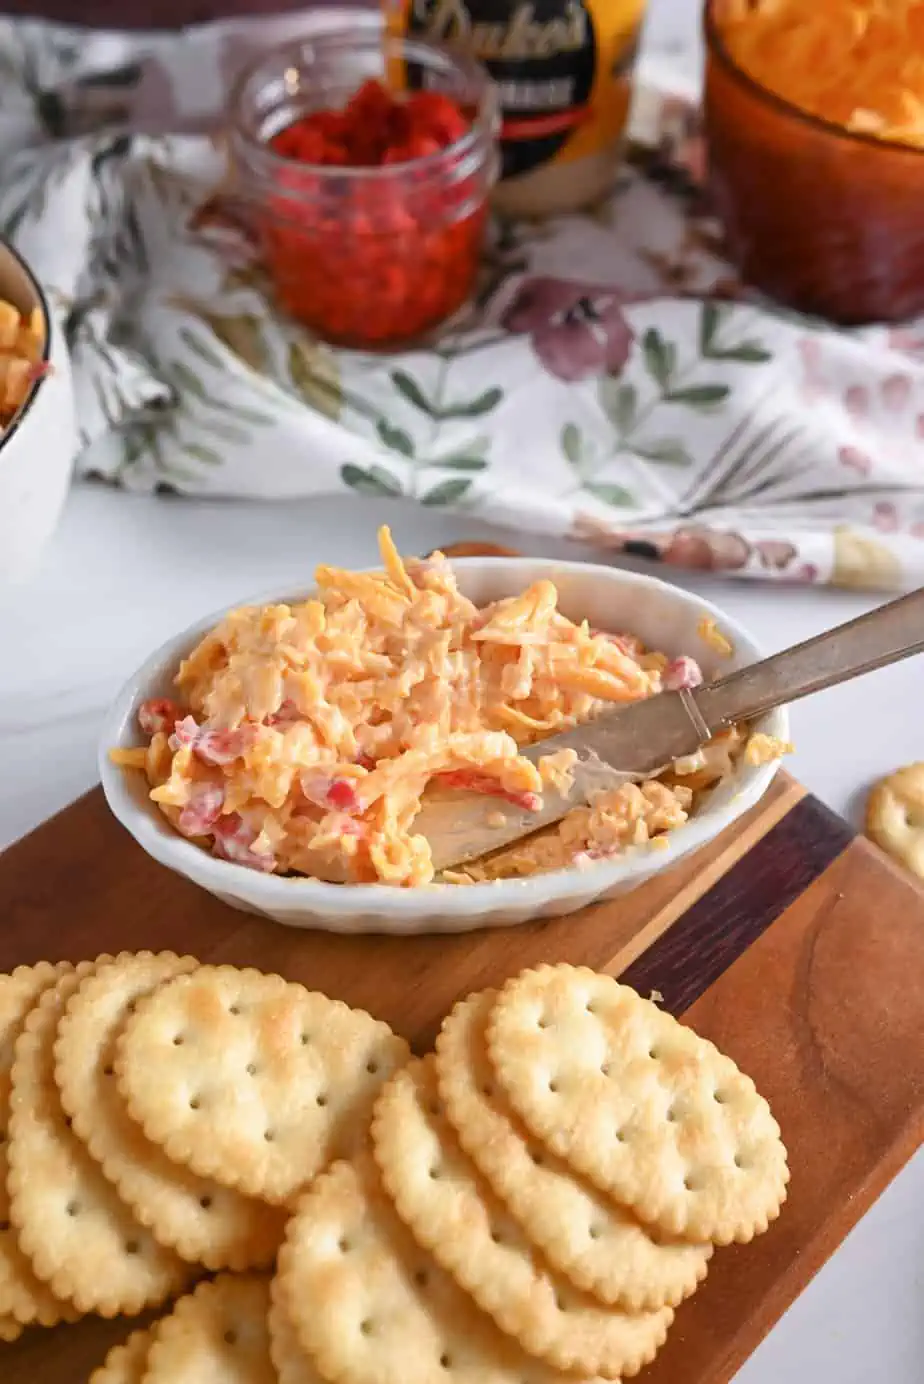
[[797, 947]]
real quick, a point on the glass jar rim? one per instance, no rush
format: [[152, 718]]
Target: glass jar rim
[[717, 47], [332, 38]]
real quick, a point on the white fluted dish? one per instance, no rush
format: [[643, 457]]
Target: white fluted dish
[[663, 616]]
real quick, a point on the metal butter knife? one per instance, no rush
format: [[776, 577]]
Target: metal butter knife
[[641, 739]]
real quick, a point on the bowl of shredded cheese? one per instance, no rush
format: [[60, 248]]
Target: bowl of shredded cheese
[[814, 121], [38, 429], [278, 754]]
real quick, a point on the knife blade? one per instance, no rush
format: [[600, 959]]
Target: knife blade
[[641, 739]]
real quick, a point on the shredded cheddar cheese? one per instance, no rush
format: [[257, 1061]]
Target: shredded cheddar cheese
[[711, 635], [635, 814], [304, 737], [22, 347], [856, 63], [130, 759], [763, 749]]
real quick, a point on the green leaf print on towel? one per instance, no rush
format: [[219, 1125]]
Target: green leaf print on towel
[[610, 494], [315, 376], [280, 353], [396, 439], [572, 444], [660, 357], [619, 401], [744, 353], [370, 480], [699, 395], [461, 463], [587, 464], [446, 493], [632, 409], [666, 451], [441, 412]]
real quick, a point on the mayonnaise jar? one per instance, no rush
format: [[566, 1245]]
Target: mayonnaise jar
[[563, 72]]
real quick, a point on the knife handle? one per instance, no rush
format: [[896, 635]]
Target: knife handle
[[893, 632]]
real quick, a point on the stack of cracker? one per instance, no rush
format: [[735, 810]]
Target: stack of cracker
[[156, 1119], [527, 1205], [539, 1196]]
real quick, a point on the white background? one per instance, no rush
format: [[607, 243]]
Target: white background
[[126, 572]]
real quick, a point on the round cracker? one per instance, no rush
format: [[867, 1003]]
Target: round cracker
[[261, 1083], [895, 817], [218, 1333], [451, 1211], [286, 1352], [126, 1363], [82, 1240], [199, 1218], [24, 1298], [650, 1112], [371, 1307], [601, 1247]]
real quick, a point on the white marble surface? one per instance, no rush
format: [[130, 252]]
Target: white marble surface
[[125, 572]]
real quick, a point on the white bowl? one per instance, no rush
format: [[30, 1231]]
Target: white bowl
[[38, 448], [663, 616]]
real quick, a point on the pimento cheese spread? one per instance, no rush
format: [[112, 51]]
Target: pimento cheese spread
[[303, 737]]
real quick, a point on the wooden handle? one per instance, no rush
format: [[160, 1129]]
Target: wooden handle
[[893, 632]]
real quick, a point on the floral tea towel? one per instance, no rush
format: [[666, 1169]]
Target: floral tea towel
[[612, 381]]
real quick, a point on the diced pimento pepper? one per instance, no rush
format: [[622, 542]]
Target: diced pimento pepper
[[233, 840], [158, 714], [287, 715], [681, 673], [200, 814], [417, 147], [185, 733], [626, 643], [212, 746], [349, 826], [342, 796], [334, 126], [371, 129], [471, 781], [368, 124], [336, 793], [371, 264], [435, 114]]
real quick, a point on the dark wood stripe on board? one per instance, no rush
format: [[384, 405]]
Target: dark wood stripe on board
[[713, 933]]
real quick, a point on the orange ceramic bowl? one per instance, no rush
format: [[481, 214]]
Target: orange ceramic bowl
[[823, 219]]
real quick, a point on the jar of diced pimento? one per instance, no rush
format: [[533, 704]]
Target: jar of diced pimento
[[366, 161]]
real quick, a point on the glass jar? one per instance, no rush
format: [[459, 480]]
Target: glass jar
[[815, 215], [365, 257]]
